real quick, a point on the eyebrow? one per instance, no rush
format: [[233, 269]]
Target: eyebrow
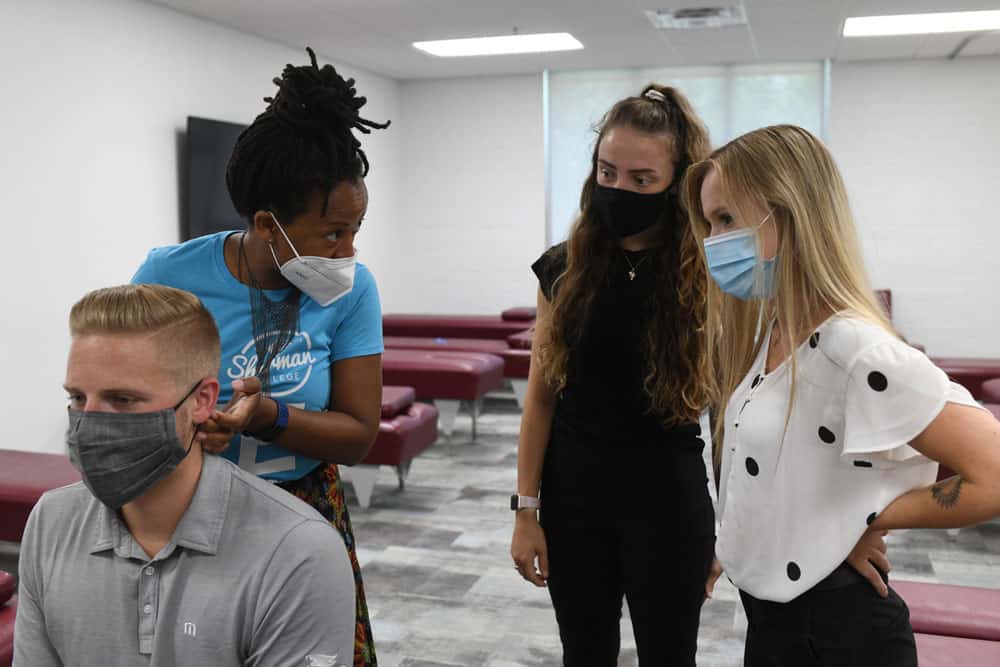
[[343, 223], [631, 171], [717, 210], [112, 390]]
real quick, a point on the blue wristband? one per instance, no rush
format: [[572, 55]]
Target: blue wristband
[[277, 428]]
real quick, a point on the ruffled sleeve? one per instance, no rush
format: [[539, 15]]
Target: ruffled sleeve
[[894, 392]]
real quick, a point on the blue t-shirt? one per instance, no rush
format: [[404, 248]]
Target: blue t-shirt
[[301, 374]]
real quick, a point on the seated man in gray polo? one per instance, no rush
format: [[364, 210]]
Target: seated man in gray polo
[[164, 555]]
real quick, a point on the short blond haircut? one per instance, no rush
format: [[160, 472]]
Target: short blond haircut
[[181, 325]]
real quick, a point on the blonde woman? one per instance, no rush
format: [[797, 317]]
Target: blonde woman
[[828, 425], [610, 431]]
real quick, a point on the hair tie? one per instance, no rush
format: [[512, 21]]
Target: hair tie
[[653, 94]]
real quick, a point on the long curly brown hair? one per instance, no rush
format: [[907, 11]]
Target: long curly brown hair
[[675, 339]]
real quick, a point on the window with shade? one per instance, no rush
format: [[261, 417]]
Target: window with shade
[[730, 99]]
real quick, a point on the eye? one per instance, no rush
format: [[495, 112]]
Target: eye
[[123, 401], [604, 172], [76, 400], [643, 180], [726, 219], [339, 234]]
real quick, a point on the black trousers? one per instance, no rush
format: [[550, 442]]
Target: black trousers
[[596, 560], [843, 626]]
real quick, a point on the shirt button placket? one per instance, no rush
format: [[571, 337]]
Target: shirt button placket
[[149, 583]]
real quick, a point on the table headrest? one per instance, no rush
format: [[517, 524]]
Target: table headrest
[[396, 399]]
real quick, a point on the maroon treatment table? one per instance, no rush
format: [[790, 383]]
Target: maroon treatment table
[[522, 340], [943, 651], [407, 429], [6, 586], [884, 297], [446, 377], [955, 611], [445, 344], [991, 390], [24, 477], [970, 373], [521, 314], [7, 613], [955, 625], [452, 326], [516, 362], [7, 610]]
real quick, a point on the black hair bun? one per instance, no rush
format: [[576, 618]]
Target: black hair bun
[[314, 100]]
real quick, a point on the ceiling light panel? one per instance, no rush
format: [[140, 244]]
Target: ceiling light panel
[[921, 24], [502, 45]]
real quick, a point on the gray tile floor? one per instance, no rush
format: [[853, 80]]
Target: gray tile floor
[[442, 590]]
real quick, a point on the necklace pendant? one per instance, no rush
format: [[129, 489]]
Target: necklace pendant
[[631, 274]]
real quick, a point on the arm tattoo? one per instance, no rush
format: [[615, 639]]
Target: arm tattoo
[[946, 491]]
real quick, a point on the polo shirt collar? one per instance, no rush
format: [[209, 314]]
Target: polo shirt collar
[[202, 523], [199, 529]]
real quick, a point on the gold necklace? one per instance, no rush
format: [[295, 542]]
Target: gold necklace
[[633, 267]]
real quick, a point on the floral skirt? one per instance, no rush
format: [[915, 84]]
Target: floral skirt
[[321, 488]]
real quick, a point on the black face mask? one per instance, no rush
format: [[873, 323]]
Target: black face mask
[[626, 213]]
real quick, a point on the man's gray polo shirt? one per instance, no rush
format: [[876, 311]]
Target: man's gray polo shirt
[[252, 576]]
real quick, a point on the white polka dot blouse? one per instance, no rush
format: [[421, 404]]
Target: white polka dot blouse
[[794, 503]]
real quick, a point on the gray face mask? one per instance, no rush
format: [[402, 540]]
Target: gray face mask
[[122, 455]]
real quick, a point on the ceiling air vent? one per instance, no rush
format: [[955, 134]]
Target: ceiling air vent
[[697, 17]]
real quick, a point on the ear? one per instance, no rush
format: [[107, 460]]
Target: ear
[[205, 399], [264, 226]]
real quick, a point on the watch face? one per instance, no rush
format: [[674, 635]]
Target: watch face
[[513, 502]]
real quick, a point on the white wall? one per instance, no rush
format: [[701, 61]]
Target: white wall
[[918, 142], [472, 210], [96, 100], [96, 95], [919, 145]]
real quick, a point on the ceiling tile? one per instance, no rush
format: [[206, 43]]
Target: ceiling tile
[[726, 45], [878, 48], [940, 46], [986, 45], [377, 35]]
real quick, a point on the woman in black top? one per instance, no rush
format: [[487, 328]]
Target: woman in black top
[[610, 431]]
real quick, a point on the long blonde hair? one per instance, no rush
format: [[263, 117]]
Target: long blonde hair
[[674, 341], [820, 269]]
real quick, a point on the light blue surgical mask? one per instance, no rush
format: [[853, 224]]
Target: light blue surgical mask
[[736, 267]]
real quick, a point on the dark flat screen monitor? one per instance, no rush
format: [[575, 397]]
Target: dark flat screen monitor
[[209, 210]]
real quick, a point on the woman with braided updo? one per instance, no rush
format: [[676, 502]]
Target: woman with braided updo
[[299, 318]]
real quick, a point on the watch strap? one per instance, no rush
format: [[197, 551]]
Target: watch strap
[[518, 502], [277, 428]]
